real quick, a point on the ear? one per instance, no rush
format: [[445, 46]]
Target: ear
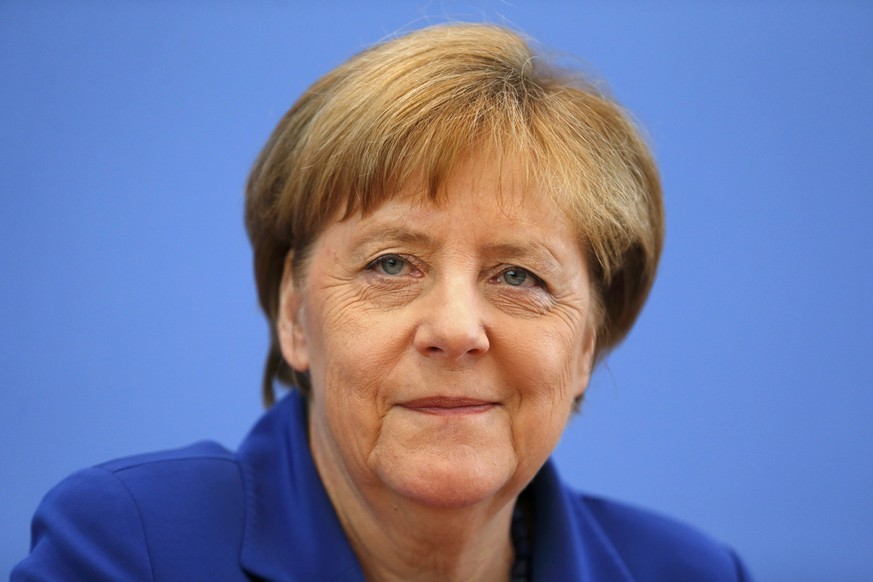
[[289, 323], [586, 363]]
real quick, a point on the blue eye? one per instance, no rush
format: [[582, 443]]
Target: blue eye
[[389, 264], [517, 277], [514, 277]]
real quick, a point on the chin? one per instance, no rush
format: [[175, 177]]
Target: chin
[[449, 482]]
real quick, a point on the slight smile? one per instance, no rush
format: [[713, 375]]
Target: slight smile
[[449, 406]]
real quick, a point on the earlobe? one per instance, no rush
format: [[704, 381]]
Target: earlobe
[[289, 323], [586, 364]]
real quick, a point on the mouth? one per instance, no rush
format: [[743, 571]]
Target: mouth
[[448, 406]]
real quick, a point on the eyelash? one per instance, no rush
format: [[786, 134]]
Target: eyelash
[[409, 263]]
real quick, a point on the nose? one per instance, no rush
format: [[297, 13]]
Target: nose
[[451, 327]]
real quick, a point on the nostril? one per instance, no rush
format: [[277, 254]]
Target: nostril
[[451, 348]]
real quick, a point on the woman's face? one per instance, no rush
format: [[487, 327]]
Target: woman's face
[[446, 344]]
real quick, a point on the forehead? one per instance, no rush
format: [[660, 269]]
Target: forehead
[[485, 185], [478, 208]]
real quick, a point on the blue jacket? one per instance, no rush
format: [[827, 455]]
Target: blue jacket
[[204, 513]]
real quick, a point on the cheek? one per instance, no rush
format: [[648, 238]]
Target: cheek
[[545, 367], [334, 331], [551, 358], [352, 351]]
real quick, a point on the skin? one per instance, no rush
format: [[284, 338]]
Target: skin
[[446, 345]]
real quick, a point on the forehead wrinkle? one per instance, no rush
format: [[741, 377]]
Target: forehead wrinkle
[[521, 249], [393, 234]]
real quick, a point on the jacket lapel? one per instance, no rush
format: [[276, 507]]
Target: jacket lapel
[[568, 542], [291, 531]]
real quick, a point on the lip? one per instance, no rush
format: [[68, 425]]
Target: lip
[[449, 406]]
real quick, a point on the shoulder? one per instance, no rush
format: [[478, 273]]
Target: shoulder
[[139, 517], [582, 537], [656, 547], [194, 473], [201, 451], [184, 486]]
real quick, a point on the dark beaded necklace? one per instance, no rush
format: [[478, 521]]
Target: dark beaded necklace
[[522, 541]]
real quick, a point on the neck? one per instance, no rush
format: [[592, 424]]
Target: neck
[[431, 545]]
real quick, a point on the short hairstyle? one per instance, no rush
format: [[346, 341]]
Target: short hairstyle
[[405, 111]]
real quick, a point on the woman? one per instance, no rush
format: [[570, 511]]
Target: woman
[[448, 235]]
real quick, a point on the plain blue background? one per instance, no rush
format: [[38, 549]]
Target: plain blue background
[[742, 402]]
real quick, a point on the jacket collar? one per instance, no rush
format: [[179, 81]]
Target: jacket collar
[[292, 531], [568, 542]]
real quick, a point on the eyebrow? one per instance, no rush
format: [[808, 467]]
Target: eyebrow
[[522, 249], [395, 235], [406, 236]]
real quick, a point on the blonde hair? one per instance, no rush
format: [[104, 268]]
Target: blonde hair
[[407, 110]]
